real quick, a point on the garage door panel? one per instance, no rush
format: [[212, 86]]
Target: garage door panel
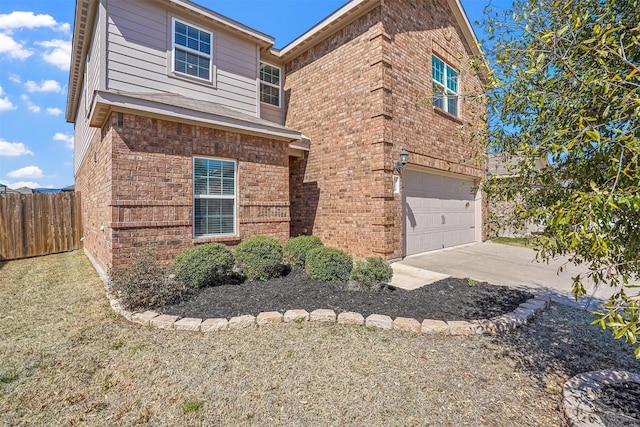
[[439, 211]]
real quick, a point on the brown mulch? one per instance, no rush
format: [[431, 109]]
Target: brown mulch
[[66, 359]]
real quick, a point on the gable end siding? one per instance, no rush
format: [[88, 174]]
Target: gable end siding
[[139, 55]]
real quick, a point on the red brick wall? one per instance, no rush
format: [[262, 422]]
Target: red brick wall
[[362, 95], [93, 182], [432, 137], [329, 99], [151, 185]]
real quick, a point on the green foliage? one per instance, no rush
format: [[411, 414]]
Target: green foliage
[[146, 283], [191, 405], [8, 377], [296, 249], [371, 274], [329, 264], [259, 258], [204, 265], [566, 88]]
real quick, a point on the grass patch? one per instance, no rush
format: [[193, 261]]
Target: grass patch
[[191, 405], [527, 242], [8, 378]]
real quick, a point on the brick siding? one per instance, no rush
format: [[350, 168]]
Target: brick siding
[[146, 177], [362, 95]]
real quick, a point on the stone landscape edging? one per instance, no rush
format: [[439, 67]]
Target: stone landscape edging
[[504, 323]]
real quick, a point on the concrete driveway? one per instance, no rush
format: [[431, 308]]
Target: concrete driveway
[[500, 265]]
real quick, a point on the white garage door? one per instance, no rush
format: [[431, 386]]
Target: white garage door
[[439, 211]]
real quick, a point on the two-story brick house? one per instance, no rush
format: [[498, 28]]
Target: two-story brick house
[[190, 127]]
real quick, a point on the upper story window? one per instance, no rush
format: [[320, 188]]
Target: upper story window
[[214, 197], [445, 86], [269, 84], [191, 50]]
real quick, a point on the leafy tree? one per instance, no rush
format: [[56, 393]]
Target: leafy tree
[[566, 88]]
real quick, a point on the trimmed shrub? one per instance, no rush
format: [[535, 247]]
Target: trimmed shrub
[[328, 264], [204, 265], [296, 249], [146, 284], [371, 274], [259, 258]]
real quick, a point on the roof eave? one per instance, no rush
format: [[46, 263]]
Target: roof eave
[[328, 26], [263, 40], [106, 102], [84, 19]]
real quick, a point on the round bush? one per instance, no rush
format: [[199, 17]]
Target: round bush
[[296, 249], [371, 274], [204, 265], [259, 258], [328, 264]]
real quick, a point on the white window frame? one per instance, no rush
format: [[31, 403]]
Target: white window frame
[[209, 56], [233, 197], [446, 93], [263, 82]]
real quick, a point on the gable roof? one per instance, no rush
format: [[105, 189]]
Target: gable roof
[[353, 10]]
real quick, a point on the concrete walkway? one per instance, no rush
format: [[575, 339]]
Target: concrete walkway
[[500, 265]]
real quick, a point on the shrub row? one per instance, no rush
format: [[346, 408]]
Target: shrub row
[[148, 284]]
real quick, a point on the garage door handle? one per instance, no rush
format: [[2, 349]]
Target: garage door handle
[[444, 221]]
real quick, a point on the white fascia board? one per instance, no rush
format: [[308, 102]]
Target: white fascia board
[[263, 39], [329, 21]]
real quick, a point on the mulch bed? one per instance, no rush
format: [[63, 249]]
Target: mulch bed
[[618, 405], [448, 299]]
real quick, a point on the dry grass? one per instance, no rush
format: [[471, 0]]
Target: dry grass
[[66, 359]]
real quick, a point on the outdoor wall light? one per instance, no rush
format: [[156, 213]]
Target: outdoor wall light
[[404, 157]]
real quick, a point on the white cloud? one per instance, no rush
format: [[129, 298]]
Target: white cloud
[[68, 139], [54, 111], [16, 20], [30, 105], [13, 148], [5, 104], [20, 184], [15, 78], [65, 27], [26, 172], [13, 49], [58, 53], [44, 86]]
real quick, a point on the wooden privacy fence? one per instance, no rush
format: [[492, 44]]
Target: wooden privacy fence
[[39, 224]]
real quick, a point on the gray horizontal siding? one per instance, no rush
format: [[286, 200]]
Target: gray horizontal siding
[[82, 136], [138, 41], [271, 113]]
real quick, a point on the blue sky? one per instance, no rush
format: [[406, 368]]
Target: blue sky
[[36, 143]]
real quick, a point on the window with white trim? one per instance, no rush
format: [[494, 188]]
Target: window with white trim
[[214, 197], [445, 86], [191, 50], [269, 84]]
